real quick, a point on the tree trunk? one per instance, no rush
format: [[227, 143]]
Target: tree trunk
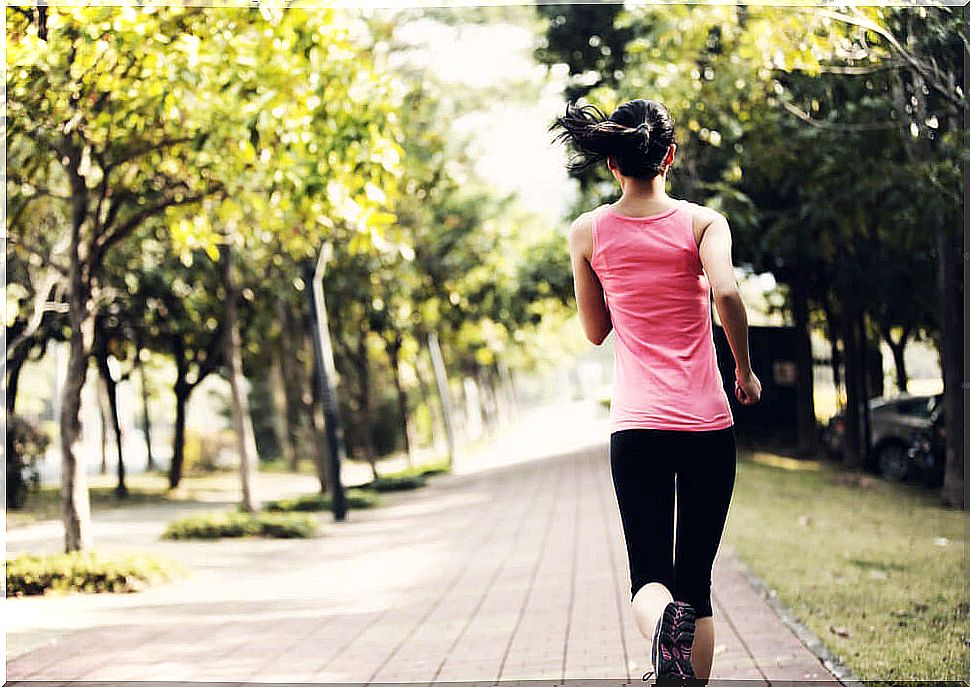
[[111, 391], [434, 409], [245, 436], [807, 432], [508, 389], [294, 383], [314, 429], [402, 397], [280, 415], [833, 327], [182, 391], [951, 282], [865, 426], [489, 404], [103, 417], [145, 415], [852, 455], [898, 349], [921, 149], [75, 500], [15, 365], [444, 394], [951, 326], [363, 379]]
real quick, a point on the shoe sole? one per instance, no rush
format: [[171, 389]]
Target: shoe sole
[[673, 640]]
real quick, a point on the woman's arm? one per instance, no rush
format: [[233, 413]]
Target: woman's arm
[[715, 253], [593, 312]]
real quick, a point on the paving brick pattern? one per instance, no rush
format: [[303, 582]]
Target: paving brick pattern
[[516, 573]]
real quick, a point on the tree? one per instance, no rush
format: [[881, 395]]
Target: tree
[[137, 118], [120, 144]]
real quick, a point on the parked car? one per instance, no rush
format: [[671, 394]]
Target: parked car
[[927, 451], [893, 423]]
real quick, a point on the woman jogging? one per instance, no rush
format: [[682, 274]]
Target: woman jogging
[[646, 266]]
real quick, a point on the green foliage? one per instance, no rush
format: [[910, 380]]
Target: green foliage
[[239, 524], [90, 571], [356, 498]]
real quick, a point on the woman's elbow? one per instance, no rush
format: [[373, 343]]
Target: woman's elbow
[[598, 336], [728, 293]]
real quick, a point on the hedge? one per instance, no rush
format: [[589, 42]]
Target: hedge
[[238, 524], [86, 571], [356, 498]]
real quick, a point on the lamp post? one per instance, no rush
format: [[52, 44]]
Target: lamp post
[[326, 374]]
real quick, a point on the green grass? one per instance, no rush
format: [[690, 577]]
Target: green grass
[[89, 571], [280, 466], [860, 555], [356, 498], [45, 504], [239, 524], [306, 467], [152, 487]]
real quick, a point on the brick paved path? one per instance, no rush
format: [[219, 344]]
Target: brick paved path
[[513, 573]]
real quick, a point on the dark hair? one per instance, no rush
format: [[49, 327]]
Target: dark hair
[[637, 135]]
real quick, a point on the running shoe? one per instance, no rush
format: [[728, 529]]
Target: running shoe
[[672, 642]]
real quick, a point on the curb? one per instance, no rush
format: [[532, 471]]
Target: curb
[[831, 662]]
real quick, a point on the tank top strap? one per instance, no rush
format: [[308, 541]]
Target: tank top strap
[[596, 259], [687, 219]]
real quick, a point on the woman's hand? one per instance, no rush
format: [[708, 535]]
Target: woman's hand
[[747, 388]]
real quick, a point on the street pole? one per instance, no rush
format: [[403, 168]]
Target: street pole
[[326, 374]]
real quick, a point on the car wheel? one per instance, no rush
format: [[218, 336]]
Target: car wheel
[[893, 462]]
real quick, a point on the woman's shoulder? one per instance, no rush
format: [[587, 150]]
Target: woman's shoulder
[[581, 233], [702, 217], [702, 212]]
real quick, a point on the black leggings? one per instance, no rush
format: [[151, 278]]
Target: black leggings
[[644, 463]]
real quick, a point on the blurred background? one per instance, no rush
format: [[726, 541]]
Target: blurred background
[[219, 220], [413, 143]]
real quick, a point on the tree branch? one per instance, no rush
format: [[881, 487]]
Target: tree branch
[[145, 147], [836, 126], [931, 74]]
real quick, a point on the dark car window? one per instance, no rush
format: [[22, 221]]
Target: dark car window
[[920, 407]]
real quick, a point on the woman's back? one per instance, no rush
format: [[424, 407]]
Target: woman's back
[[666, 374]]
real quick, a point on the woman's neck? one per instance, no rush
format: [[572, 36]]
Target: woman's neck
[[644, 190]]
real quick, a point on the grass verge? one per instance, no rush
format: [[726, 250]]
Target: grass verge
[[86, 571], [238, 524], [45, 504], [874, 568]]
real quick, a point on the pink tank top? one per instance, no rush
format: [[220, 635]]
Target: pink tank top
[[665, 372]]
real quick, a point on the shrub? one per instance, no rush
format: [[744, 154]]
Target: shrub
[[431, 469], [427, 470], [86, 571], [356, 498], [239, 524], [26, 444], [395, 483], [203, 449]]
